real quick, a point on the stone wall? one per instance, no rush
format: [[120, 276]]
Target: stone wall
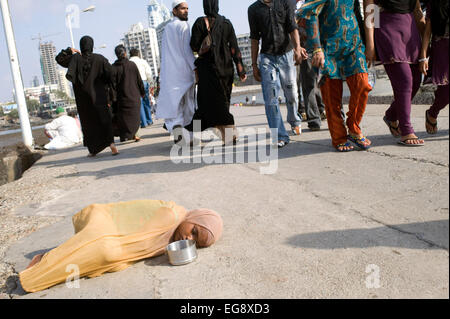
[[14, 161]]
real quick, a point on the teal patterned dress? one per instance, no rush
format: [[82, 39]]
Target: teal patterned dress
[[332, 26]]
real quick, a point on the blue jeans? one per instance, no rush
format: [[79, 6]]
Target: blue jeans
[[279, 71], [146, 110]]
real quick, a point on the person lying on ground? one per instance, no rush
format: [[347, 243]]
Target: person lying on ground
[[112, 237]]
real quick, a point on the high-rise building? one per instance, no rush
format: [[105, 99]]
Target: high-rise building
[[158, 17], [145, 40], [157, 13], [63, 83], [35, 81], [245, 45], [48, 63]]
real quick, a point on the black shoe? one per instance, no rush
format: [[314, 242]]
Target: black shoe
[[314, 128]]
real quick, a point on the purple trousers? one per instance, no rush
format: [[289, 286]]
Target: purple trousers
[[441, 97], [405, 80]]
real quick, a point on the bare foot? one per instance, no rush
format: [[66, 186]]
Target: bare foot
[[345, 147], [35, 260], [412, 139], [114, 150], [430, 124]]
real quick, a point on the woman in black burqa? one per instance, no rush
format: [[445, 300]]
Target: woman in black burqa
[[129, 89], [90, 75], [215, 70]]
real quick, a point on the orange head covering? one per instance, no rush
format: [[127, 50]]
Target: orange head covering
[[208, 219]]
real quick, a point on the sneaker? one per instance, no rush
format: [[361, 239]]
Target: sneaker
[[296, 130], [281, 144]]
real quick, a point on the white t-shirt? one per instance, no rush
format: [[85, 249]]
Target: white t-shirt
[[143, 67]]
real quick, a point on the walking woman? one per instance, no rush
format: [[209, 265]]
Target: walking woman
[[90, 75], [436, 31], [397, 42], [215, 70], [129, 88]]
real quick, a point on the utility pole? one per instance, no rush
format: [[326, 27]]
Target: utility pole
[[17, 76]]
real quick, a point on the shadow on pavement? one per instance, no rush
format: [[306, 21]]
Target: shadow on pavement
[[377, 237]]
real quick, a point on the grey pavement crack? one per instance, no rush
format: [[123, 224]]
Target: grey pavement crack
[[335, 203]]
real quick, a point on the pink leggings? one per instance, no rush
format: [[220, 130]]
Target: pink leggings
[[405, 80]]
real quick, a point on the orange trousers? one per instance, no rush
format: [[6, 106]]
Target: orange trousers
[[332, 97]]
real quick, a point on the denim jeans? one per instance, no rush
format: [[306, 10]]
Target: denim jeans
[[146, 110], [307, 83], [279, 71]]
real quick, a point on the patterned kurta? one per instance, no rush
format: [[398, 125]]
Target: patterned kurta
[[332, 26]]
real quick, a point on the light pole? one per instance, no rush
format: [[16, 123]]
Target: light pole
[[69, 17], [17, 76]]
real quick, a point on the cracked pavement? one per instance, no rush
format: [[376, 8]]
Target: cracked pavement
[[317, 228]]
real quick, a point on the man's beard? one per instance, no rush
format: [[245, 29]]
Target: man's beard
[[183, 17]]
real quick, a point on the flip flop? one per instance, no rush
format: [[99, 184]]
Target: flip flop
[[344, 145], [410, 145], [395, 131], [359, 141], [433, 125]]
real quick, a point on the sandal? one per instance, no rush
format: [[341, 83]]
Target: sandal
[[428, 123], [360, 142], [340, 147], [395, 130], [404, 142]]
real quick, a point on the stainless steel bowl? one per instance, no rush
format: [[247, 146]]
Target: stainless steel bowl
[[182, 252]]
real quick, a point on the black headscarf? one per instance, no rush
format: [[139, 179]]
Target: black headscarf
[[211, 8], [439, 16], [80, 66], [87, 48], [121, 52]]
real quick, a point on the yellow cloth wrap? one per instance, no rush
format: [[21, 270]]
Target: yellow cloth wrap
[[108, 238]]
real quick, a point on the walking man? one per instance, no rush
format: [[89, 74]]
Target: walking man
[[146, 75], [272, 21], [176, 100], [313, 107]]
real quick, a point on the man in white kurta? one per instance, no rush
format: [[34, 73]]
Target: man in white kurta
[[176, 102], [63, 132]]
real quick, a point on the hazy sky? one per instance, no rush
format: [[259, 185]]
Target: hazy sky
[[111, 19]]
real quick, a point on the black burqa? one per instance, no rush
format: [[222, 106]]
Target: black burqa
[[129, 88], [215, 68], [90, 75]]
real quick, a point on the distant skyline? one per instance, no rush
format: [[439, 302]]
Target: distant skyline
[[107, 25]]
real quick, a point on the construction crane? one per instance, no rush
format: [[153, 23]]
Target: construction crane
[[40, 37]]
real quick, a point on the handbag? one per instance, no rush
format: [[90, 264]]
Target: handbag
[[207, 41]]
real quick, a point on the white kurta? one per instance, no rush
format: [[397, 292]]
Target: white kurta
[[64, 132], [177, 79]]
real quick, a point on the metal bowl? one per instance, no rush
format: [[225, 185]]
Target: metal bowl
[[182, 252]]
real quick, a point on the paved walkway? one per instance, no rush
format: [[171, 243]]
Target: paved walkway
[[325, 225]]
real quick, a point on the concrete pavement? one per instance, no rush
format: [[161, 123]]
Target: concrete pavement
[[325, 225]]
